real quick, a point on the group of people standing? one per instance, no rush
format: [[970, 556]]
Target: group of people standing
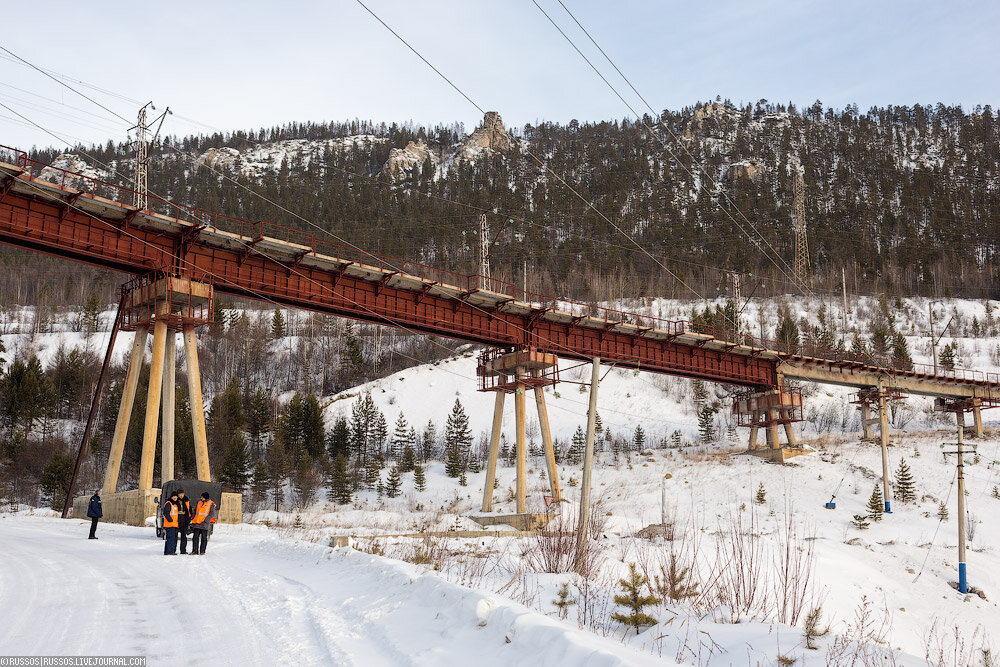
[[177, 519]]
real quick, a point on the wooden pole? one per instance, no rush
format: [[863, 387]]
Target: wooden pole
[[153, 401], [550, 452], [125, 410], [962, 582], [169, 393], [491, 465], [866, 424], [93, 407], [197, 405], [883, 416], [522, 455], [588, 465]]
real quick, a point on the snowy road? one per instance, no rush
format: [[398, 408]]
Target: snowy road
[[255, 600]]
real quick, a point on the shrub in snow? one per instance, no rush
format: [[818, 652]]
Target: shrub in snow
[[761, 496]]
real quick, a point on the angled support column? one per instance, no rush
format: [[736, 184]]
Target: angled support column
[[197, 405], [522, 473], [153, 401], [125, 410], [491, 466], [583, 521], [550, 453], [169, 394], [977, 416]]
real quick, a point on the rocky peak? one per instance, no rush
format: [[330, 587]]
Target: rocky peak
[[404, 162], [491, 134]]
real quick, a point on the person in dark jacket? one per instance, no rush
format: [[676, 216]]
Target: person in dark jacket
[[170, 522], [183, 518], [94, 512]]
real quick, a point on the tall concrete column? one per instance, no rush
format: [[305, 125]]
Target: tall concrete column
[[153, 401], [550, 453], [883, 416], [197, 404], [789, 431], [772, 429], [125, 410], [169, 394], [491, 465], [522, 455]]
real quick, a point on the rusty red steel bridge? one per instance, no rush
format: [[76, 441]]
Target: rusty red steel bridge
[[69, 215]]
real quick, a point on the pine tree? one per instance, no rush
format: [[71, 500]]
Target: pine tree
[[860, 521], [277, 324], [463, 480], [313, 431], [675, 438], [996, 492], [563, 601], [338, 441], [634, 601], [942, 511], [419, 478], [457, 438], [393, 483], [706, 424], [400, 438], [339, 481], [761, 496], [429, 442], [905, 491], [234, 471], [638, 438], [876, 505], [408, 460], [379, 436], [947, 357], [305, 479], [579, 442]]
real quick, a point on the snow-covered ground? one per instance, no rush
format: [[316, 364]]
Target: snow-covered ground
[[257, 599], [884, 589]]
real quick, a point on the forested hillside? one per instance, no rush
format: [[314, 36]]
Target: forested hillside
[[905, 199]]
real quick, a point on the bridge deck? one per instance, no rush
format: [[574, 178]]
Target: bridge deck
[[85, 220]]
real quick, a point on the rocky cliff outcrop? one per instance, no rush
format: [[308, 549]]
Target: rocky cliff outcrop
[[490, 135], [405, 162]]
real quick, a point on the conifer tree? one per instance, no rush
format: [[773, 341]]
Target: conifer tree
[[675, 438], [634, 601], [947, 357], [338, 440], [876, 505], [305, 479], [408, 460], [313, 431], [277, 324], [234, 471], [575, 454], [904, 487], [393, 483], [995, 492], [339, 481], [860, 521], [638, 438], [400, 438], [563, 601], [379, 436], [706, 424], [457, 438], [761, 496], [942, 511], [419, 478], [429, 442]]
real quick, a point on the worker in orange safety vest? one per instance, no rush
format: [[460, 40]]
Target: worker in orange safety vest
[[201, 523]]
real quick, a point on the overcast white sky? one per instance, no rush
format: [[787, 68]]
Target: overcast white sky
[[238, 65]]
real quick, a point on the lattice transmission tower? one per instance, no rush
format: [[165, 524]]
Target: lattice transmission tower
[[801, 266]]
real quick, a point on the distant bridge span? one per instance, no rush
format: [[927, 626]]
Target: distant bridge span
[[50, 210]]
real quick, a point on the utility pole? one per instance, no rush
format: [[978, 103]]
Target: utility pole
[[484, 248], [963, 586], [843, 287], [588, 465], [930, 318]]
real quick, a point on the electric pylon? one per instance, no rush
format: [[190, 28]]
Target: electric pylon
[[801, 267]]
